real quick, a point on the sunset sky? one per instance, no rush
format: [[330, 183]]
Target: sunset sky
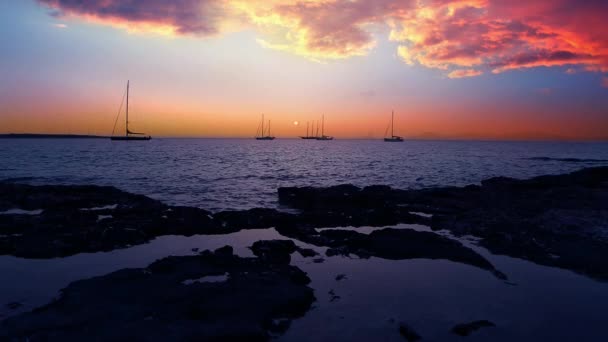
[[487, 69]]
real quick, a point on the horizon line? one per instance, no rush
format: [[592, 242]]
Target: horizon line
[[412, 138]]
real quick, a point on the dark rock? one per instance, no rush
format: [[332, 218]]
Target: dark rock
[[278, 326], [159, 303], [408, 333], [14, 305], [279, 250], [307, 252], [340, 277], [252, 218], [225, 251], [468, 328], [274, 250], [557, 221], [332, 296], [396, 244]]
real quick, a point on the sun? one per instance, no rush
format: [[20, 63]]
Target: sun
[[295, 123]]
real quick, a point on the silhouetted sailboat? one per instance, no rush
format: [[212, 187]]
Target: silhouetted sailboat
[[309, 137], [129, 136], [260, 134], [323, 136], [393, 137]]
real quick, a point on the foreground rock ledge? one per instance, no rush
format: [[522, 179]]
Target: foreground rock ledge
[[559, 221], [211, 296]]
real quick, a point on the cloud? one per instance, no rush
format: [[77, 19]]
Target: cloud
[[499, 36], [320, 29], [463, 38], [60, 26], [460, 73], [188, 17]]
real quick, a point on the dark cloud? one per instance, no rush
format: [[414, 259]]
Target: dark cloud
[[185, 16]]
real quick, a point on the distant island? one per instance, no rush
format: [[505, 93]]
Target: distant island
[[49, 136]]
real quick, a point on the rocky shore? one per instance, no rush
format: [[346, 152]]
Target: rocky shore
[[557, 221], [208, 297]]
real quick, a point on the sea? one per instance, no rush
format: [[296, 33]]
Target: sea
[[220, 174], [537, 303]]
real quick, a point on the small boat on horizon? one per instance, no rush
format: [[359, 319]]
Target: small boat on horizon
[[393, 137], [129, 136], [309, 137], [260, 133], [323, 136]]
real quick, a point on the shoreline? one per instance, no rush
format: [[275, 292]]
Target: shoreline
[[556, 221]]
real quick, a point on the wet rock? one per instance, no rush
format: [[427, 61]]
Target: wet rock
[[340, 277], [252, 218], [468, 328], [14, 305], [225, 251], [307, 252], [153, 304], [274, 250], [408, 333], [278, 326], [332, 296], [557, 221], [395, 244], [279, 250]]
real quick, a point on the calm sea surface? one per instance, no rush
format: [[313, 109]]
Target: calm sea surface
[[537, 303], [219, 174]]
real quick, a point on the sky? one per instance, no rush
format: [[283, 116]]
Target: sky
[[463, 69]]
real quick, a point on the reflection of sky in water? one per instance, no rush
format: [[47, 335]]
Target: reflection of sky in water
[[430, 295], [239, 173]]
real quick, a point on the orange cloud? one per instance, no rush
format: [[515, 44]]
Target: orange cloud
[[464, 73], [457, 36]]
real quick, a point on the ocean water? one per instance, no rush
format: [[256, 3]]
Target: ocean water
[[537, 303], [219, 174]]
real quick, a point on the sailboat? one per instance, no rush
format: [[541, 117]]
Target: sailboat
[[261, 132], [129, 136], [309, 137], [393, 137], [323, 136]]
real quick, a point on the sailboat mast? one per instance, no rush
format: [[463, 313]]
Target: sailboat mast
[[268, 127], [127, 116], [393, 124], [307, 123], [262, 126], [323, 125]]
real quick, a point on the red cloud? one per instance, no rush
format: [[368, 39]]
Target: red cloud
[[499, 35], [462, 37]]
